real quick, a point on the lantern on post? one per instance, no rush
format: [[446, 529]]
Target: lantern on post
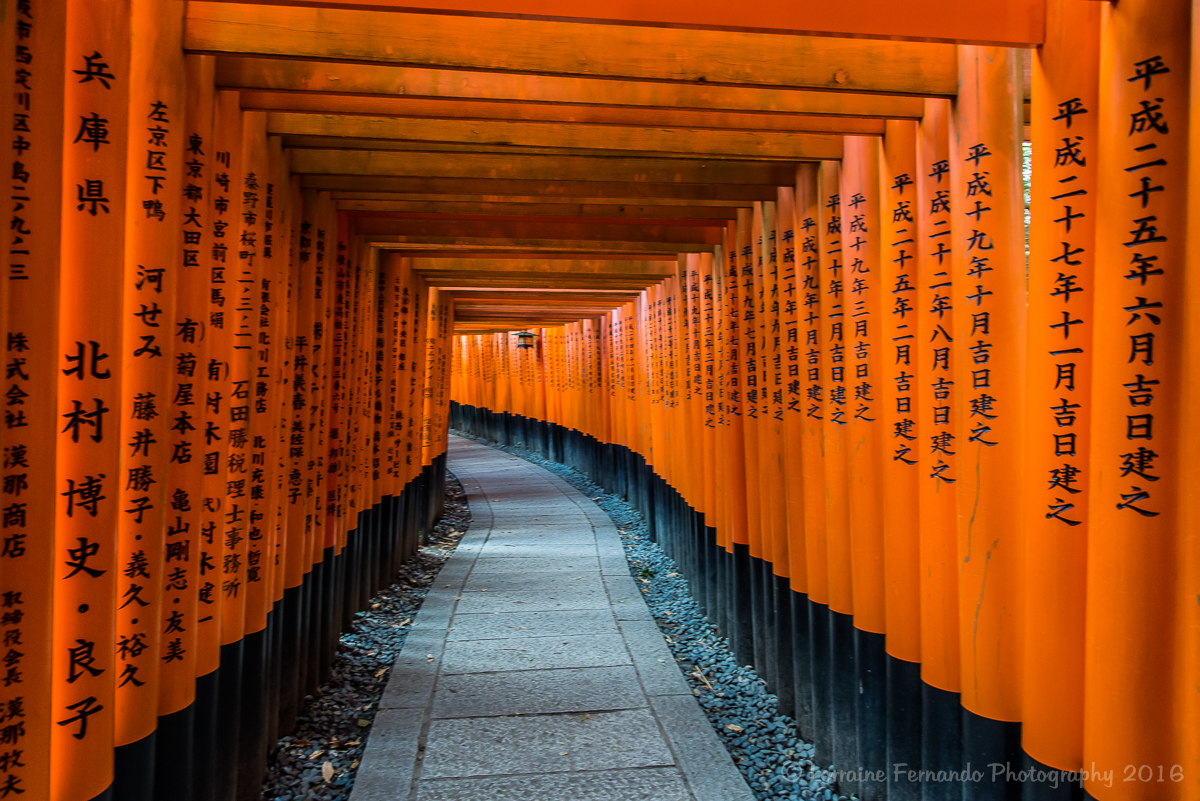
[[525, 339]]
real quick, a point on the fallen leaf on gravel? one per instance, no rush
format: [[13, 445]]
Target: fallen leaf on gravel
[[733, 727], [315, 754], [364, 723], [327, 772], [380, 672]]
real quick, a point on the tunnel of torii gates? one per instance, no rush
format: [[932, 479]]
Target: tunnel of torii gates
[[762, 268]]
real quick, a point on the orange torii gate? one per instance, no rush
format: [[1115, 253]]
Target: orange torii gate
[[931, 477]]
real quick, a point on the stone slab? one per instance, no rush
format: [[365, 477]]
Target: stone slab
[[539, 692], [390, 758], [534, 653], [627, 601], [544, 744], [541, 550], [647, 784], [515, 582], [657, 668], [536, 565], [541, 600], [615, 565], [708, 766], [532, 624]]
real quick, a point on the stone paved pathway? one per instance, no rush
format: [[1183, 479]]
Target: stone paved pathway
[[534, 671]]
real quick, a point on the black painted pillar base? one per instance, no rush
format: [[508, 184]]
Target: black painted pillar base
[[903, 729], [133, 770], [174, 763]]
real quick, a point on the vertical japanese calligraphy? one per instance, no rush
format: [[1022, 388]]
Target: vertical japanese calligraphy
[[35, 59], [93, 583], [901, 225], [931, 359], [154, 184], [989, 332], [1133, 484], [1062, 255]]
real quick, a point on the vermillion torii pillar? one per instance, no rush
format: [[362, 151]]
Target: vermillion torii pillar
[[1062, 255], [1134, 483], [989, 332]]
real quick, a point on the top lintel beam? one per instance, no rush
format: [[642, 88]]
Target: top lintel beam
[[554, 48], [1012, 23]]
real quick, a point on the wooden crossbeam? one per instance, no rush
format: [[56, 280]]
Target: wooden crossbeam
[[701, 237], [1009, 23], [504, 277], [654, 270], [554, 201], [558, 48], [508, 251], [483, 312], [388, 81], [506, 326], [553, 187], [699, 141], [412, 109], [573, 246], [379, 163], [452, 280], [538, 209], [562, 297], [348, 143]]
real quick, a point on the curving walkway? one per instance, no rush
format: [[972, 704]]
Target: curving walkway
[[534, 670]]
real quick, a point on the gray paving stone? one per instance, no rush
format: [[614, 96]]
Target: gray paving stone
[[708, 766], [614, 565], [534, 653], [501, 582], [414, 673], [554, 512], [390, 758], [551, 538], [544, 744], [627, 601], [658, 670], [547, 550], [436, 609], [572, 525], [411, 684], [535, 601], [647, 784], [532, 624], [607, 545], [536, 565], [539, 692]]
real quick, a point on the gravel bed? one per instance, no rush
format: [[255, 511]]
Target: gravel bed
[[776, 762], [318, 761]]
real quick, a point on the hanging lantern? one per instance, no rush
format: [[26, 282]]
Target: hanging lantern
[[525, 339]]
